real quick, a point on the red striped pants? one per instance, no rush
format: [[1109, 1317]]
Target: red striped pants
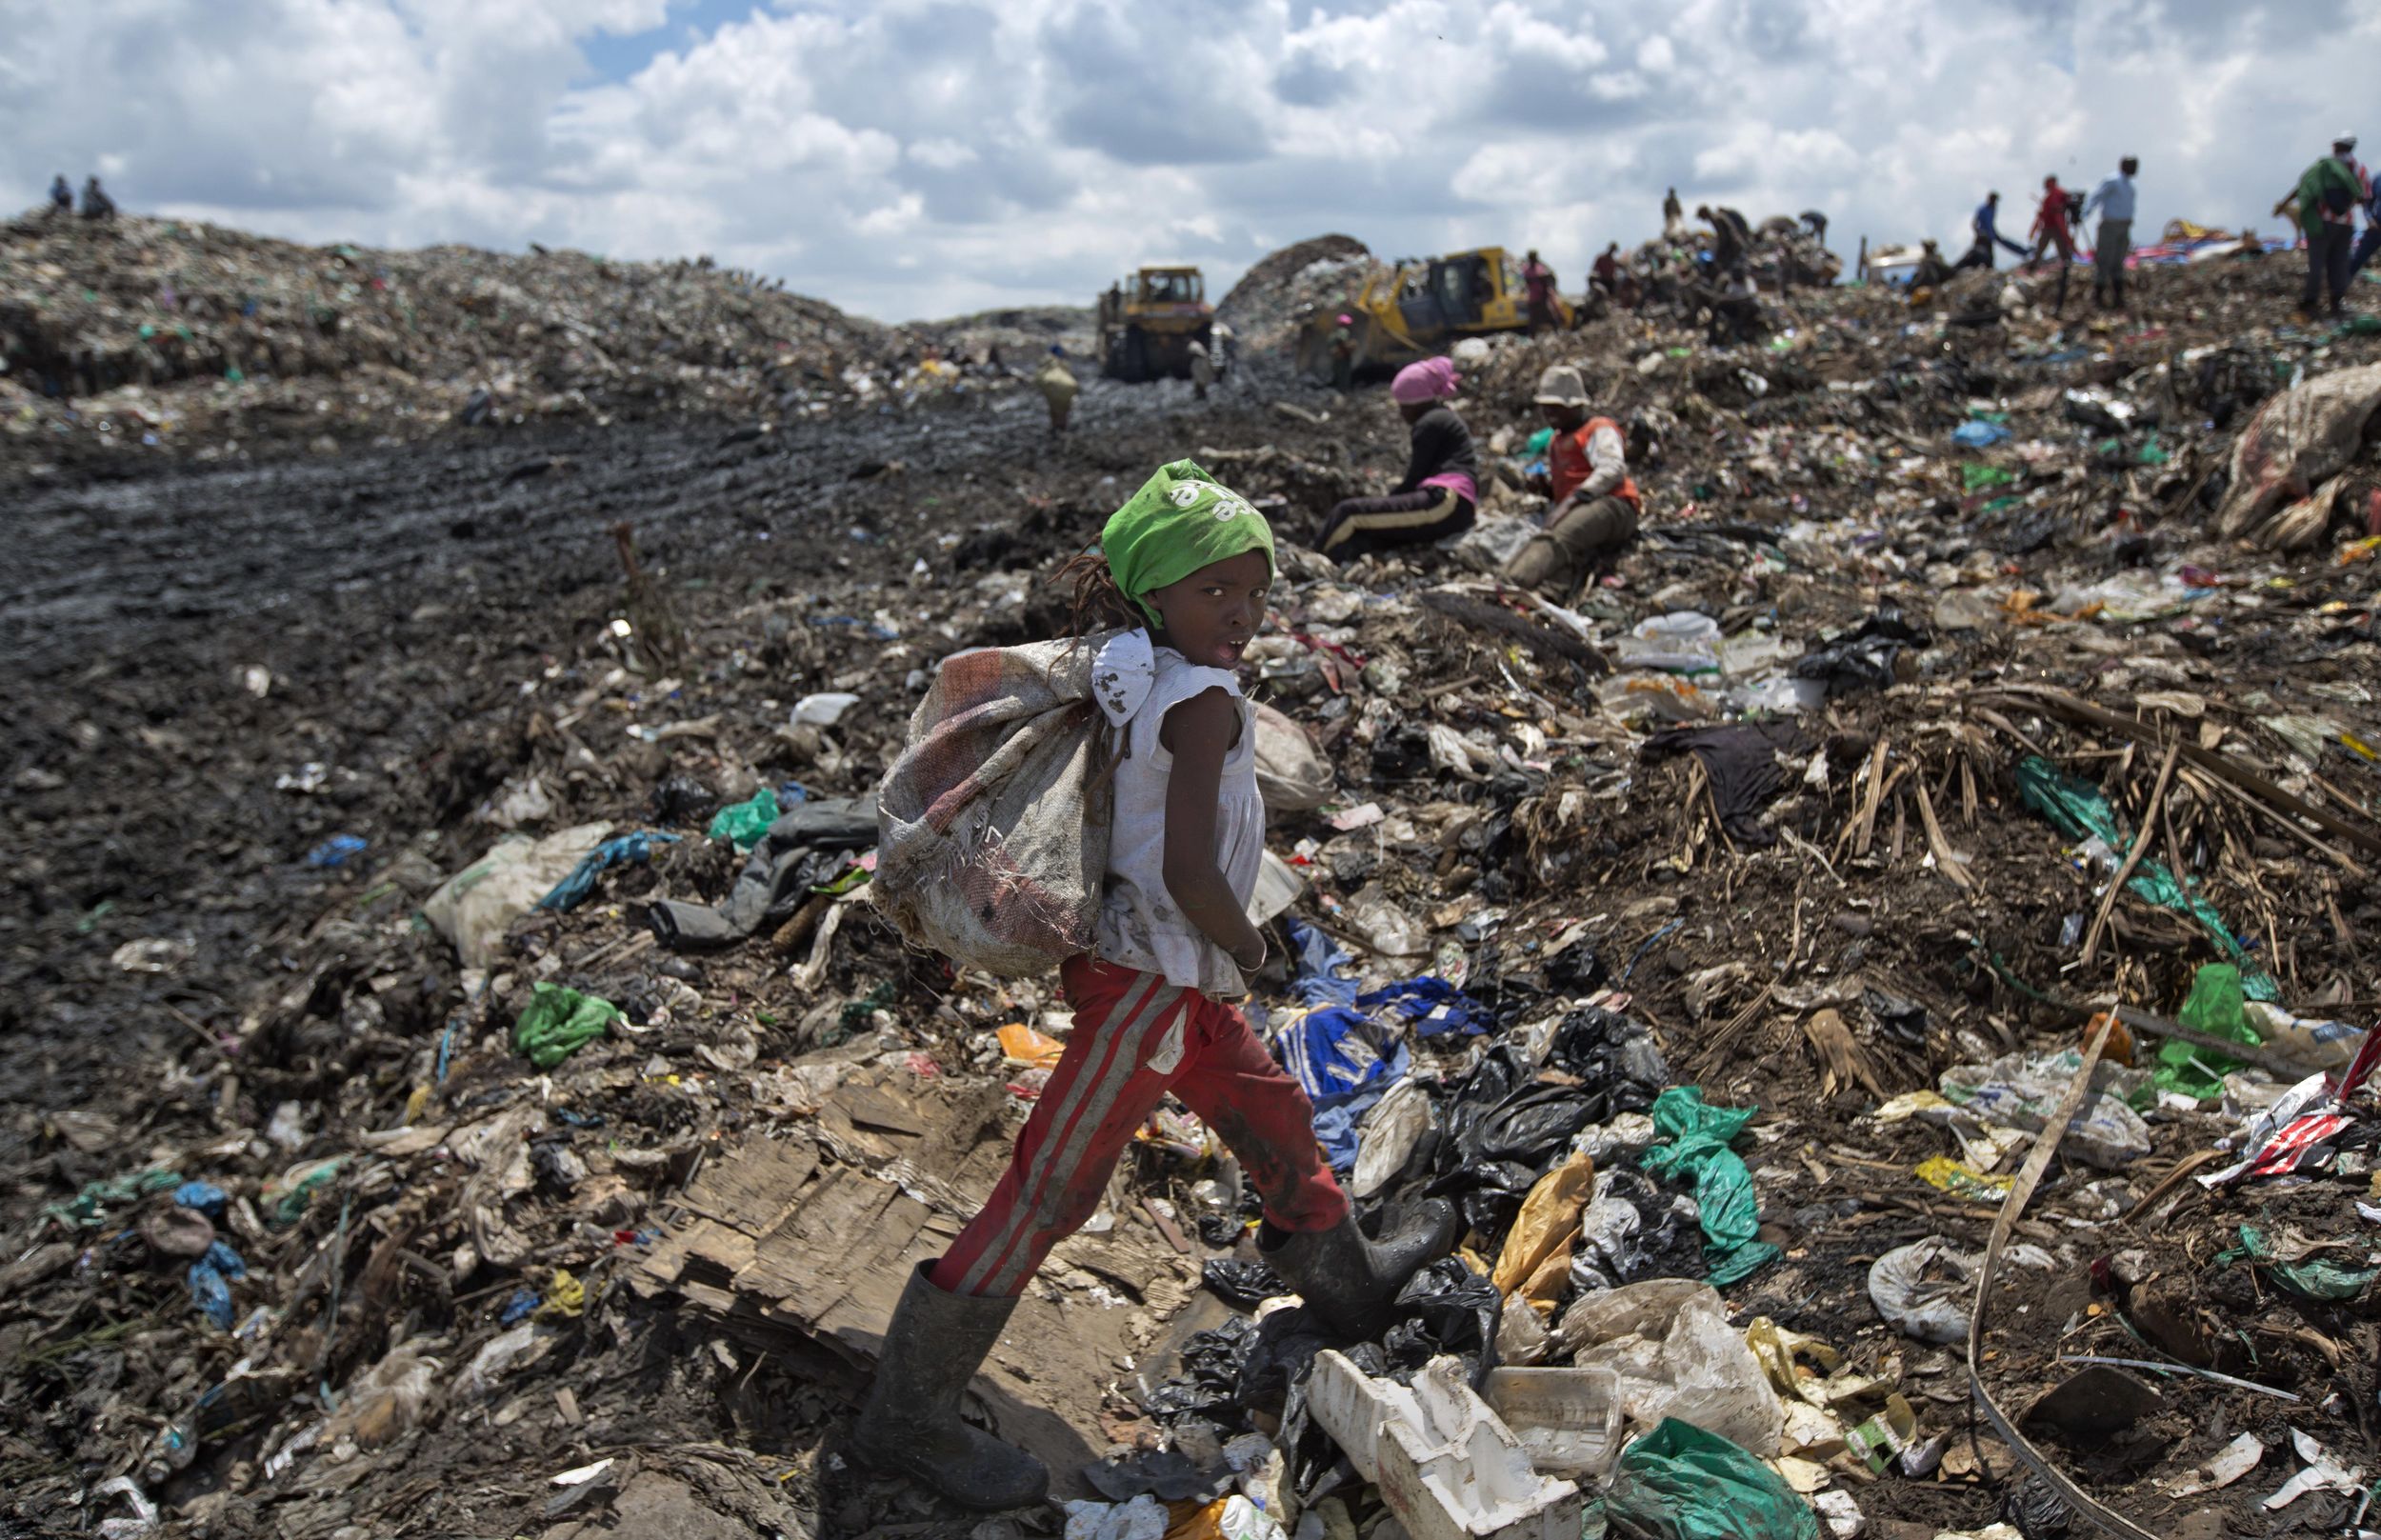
[[1136, 1039]]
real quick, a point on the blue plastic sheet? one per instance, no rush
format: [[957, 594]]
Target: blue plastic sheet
[[1338, 1055], [575, 889], [1978, 434]]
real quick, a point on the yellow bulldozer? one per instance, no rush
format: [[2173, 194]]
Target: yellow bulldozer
[[1413, 309], [1149, 321]]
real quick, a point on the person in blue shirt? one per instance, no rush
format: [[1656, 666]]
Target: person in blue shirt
[[1984, 226], [61, 196], [2114, 243]]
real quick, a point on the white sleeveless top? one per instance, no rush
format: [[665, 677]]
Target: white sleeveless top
[[1136, 684]]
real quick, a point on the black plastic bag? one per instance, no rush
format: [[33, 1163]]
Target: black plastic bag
[[1863, 659], [1243, 1284], [1450, 1308], [1903, 1020]]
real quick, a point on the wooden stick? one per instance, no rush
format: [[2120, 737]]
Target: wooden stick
[[2133, 857], [1868, 812], [1955, 866]]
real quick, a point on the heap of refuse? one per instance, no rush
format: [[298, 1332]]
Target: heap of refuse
[[1884, 976], [185, 338]]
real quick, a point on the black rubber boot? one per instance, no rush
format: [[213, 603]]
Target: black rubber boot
[[911, 1424], [1350, 1282]]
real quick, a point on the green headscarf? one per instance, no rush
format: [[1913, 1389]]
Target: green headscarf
[[1181, 519]]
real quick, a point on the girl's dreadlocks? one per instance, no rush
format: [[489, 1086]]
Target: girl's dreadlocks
[[1098, 604]]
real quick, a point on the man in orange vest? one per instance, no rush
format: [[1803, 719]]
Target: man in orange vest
[[1595, 513]]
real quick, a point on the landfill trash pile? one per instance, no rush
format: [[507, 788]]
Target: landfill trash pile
[[463, 1079], [1276, 295], [191, 340]]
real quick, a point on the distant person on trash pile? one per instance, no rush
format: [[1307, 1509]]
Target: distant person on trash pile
[[1537, 286], [1596, 504], [2054, 232], [1931, 270], [96, 203], [2113, 242], [1057, 384], [1189, 565], [1441, 488], [1674, 217], [1202, 370], [61, 196], [1606, 272], [2328, 196], [1344, 353], [1735, 306], [1983, 231], [1815, 222], [1731, 238]]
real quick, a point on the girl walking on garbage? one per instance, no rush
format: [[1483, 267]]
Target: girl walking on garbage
[[1441, 487], [1188, 564]]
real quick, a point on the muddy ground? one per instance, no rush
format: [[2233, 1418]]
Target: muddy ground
[[215, 670]]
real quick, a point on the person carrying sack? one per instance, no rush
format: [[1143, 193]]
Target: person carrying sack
[[1185, 566], [1596, 504]]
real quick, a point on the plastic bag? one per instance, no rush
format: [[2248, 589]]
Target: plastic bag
[[744, 823], [558, 1022], [1450, 1310], [1670, 1342], [1387, 1136], [1924, 1289], [478, 905], [1290, 775], [1680, 642], [1535, 1261], [1681, 1482], [1730, 1212], [2215, 1008], [1862, 659]]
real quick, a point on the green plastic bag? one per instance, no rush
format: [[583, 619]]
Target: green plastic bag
[[1680, 1482], [2313, 1276], [1975, 477], [2077, 810], [1538, 441], [746, 822], [1732, 1215], [2214, 1008], [558, 1022]]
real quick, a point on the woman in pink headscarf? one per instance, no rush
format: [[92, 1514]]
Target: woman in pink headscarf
[[1441, 487]]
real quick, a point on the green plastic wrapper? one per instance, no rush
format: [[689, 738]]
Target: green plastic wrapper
[[746, 822], [2315, 1276], [2214, 1008], [558, 1022], [2077, 810], [1975, 477], [1680, 1482], [1732, 1215]]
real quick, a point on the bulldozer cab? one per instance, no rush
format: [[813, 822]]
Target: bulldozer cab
[[1169, 285]]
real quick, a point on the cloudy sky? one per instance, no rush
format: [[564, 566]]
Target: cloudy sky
[[909, 159]]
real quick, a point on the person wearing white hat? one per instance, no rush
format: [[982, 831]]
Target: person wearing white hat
[[1595, 513]]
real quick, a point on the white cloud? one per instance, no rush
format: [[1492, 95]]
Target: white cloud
[[910, 157]]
